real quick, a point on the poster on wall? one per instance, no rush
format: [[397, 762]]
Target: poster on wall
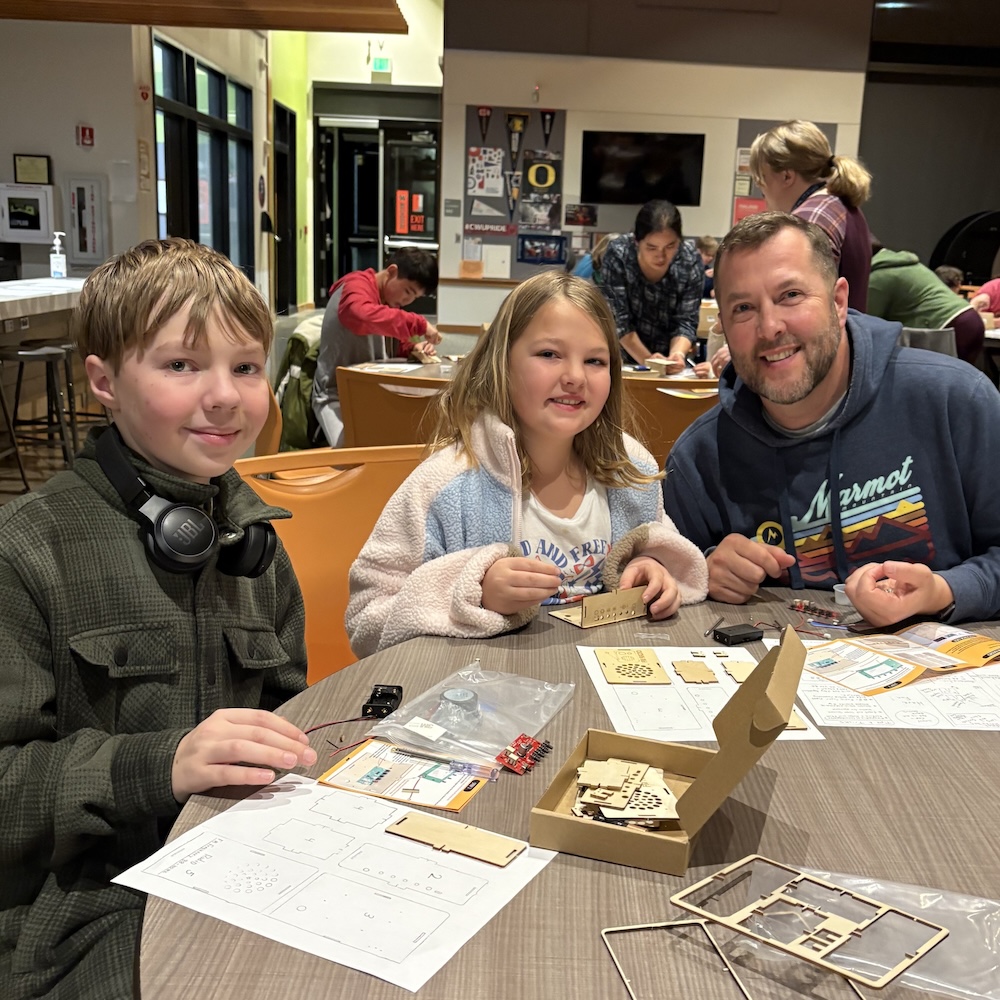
[[541, 193], [581, 215], [485, 172], [86, 241], [742, 207], [541, 249]]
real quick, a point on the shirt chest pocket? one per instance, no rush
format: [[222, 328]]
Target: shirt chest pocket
[[131, 678]]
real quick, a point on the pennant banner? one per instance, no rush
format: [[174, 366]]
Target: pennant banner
[[512, 180], [484, 122], [517, 123], [548, 120]]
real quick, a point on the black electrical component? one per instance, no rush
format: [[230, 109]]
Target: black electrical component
[[384, 700], [730, 635]]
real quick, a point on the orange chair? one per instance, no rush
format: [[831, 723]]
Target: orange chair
[[663, 410], [269, 438], [331, 520], [380, 408]]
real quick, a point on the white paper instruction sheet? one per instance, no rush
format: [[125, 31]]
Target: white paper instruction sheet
[[313, 868], [681, 711]]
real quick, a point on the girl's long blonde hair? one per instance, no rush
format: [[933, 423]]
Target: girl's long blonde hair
[[802, 147], [482, 384]]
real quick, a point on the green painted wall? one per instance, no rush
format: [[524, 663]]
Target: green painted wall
[[290, 87]]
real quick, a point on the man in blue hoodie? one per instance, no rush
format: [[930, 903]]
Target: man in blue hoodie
[[835, 455]]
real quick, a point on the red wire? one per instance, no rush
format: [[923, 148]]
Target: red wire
[[350, 746], [339, 722]]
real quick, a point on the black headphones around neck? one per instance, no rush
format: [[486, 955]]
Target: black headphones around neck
[[179, 536]]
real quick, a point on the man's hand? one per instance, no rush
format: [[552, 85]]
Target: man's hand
[[432, 336], [237, 746], [676, 361], [518, 582], [888, 592], [659, 585], [739, 565]]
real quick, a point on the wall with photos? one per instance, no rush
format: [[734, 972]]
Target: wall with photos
[[629, 95], [50, 87]]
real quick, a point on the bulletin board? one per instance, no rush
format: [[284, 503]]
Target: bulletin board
[[513, 205]]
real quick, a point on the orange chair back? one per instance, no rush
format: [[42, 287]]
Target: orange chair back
[[381, 408], [269, 438], [332, 517], [661, 415]]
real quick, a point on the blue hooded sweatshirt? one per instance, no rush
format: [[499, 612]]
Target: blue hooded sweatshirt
[[910, 453]]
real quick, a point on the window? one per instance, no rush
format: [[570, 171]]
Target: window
[[204, 158]]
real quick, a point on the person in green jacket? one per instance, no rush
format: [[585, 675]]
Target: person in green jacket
[[903, 290], [152, 622]]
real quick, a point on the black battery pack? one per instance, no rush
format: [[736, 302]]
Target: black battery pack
[[733, 635]]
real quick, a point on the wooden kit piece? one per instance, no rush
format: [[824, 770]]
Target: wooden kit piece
[[631, 666], [651, 800], [739, 670], [617, 798], [603, 773], [828, 915], [695, 672], [603, 609], [447, 836]]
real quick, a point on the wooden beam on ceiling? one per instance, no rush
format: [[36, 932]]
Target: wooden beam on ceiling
[[380, 17]]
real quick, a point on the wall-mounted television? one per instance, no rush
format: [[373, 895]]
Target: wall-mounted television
[[631, 168]]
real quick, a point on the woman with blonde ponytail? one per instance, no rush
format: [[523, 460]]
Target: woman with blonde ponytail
[[797, 172]]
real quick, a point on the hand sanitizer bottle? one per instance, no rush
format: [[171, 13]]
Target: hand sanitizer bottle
[[57, 259]]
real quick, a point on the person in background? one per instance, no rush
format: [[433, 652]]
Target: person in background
[[987, 299], [797, 172], [706, 247], [365, 308], [902, 290], [652, 280], [952, 277], [533, 494], [588, 266], [835, 455], [143, 660]]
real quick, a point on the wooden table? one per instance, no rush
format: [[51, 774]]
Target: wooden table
[[907, 805]]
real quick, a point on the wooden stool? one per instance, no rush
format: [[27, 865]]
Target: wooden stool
[[13, 449], [55, 419]]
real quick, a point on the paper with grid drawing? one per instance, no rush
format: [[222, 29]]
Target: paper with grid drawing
[[681, 711], [313, 868]]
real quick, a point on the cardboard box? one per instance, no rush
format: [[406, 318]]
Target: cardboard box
[[700, 778], [707, 315]]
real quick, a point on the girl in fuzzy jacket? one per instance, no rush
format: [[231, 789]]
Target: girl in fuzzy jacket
[[533, 493]]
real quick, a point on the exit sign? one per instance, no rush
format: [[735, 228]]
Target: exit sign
[[381, 65]]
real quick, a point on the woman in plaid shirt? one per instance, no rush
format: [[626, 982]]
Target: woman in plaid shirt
[[653, 281]]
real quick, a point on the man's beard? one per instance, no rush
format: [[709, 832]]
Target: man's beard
[[820, 353]]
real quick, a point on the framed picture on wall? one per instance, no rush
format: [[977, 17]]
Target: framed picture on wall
[[31, 168], [25, 213], [87, 230]]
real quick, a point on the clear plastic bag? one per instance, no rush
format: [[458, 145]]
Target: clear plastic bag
[[965, 965], [473, 714]]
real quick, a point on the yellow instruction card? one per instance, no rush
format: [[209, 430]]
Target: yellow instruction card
[[873, 664], [388, 772]]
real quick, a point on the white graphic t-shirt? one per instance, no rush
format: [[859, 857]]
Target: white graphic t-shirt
[[577, 545]]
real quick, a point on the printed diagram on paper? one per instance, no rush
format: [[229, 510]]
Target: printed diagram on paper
[[313, 868], [699, 682], [969, 699]]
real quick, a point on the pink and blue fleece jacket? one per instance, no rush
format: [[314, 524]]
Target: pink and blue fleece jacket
[[421, 571]]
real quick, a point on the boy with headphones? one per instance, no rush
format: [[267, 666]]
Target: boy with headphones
[[152, 621]]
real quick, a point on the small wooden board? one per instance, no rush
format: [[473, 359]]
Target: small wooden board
[[695, 672], [603, 609], [617, 798], [447, 836], [631, 666], [739, 670]]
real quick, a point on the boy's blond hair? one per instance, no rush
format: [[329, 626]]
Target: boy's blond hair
[[128, 299], [482, 384]]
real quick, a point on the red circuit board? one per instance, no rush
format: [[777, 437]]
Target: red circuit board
[[523, 753]]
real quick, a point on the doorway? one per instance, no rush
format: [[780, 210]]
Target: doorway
[[285, 220]]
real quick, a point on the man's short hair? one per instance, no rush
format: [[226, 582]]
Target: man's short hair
[[418, 266], [128, 299], [951, 276], [754, 231]]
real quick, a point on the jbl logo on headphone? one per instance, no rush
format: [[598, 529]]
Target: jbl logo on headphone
[[189, 531]]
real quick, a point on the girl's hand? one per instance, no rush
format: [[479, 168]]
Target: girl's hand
[[237, 746], [660, 585], [518, 582]]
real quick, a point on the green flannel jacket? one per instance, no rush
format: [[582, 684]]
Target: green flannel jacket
[[106, 661]]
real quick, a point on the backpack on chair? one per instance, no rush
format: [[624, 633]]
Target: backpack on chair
[[294, 384]]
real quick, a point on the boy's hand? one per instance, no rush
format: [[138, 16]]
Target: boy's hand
[[659, 584], [518, 582], [432, 336], [422, 349], [739, 565], [237, 746]]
